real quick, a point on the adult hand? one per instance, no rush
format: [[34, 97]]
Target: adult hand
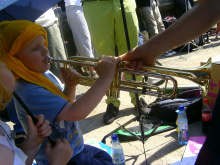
[[60, 154], [37, 133], [140, 55], [70, 77]]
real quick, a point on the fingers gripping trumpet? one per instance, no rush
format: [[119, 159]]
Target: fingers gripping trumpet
[[200, 76]]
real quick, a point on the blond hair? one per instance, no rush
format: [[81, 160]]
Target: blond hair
[[5, 97]]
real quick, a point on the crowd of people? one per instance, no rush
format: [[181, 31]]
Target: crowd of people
[[24, 70]]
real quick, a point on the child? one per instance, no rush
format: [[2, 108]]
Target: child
[[9, 153], [41, 91]]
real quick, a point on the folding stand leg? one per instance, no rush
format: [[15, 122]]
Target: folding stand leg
[[122, 127], [159, 122]]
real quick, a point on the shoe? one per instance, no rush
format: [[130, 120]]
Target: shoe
[[110, 114], [144, 109], [173, 52], [169, 53], [19, 138]]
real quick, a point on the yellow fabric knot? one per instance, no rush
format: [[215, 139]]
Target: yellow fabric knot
[[16, 35]]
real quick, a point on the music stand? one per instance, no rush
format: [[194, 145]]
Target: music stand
[[140, 116]]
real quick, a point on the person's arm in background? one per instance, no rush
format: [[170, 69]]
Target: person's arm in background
[[191, 25]]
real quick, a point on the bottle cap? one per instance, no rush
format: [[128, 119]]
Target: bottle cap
[[114, 137], [206, 100], [181, 108]]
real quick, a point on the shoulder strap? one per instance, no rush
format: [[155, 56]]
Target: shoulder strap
[[32, 116]]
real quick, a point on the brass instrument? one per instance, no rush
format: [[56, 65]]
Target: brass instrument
[[200, 75]]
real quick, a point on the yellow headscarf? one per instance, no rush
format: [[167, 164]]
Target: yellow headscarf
[[15, 36]]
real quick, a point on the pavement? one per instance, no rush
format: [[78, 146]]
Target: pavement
[[160, 149]]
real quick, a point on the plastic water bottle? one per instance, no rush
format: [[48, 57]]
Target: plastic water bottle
[[182, 123], [206, 115], [117, 151]]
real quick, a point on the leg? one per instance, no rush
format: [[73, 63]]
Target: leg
[[157, 16], [132, 25], [80, 31], [92, 155], [131, 22], [56, 48], [101, 26], [149, 20], [99, 16]]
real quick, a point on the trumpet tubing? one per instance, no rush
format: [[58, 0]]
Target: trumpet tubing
[[200, 76]]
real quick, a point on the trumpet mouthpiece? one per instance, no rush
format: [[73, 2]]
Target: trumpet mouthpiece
[[49, 59]]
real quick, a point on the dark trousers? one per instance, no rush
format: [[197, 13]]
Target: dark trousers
[[91, 156]]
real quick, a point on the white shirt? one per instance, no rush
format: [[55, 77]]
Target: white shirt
[[72, 2], [19, 156]]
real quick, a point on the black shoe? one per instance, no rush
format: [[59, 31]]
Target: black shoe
[[110, 114], [144, 108]]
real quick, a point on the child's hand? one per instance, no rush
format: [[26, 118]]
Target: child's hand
[[106, 66], [70, 77], [60, 154], [37, 133]]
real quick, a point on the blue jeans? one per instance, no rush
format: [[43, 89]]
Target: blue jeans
[[92, 156]]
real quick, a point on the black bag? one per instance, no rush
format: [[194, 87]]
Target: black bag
[[165, 109]]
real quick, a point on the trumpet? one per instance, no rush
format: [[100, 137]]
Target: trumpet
[[199, 75]]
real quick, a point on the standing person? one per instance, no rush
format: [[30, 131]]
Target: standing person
[[26, 55], [150, 13], [55, 42], [106, 27], [9, 153], [200, 18], [79, 28]]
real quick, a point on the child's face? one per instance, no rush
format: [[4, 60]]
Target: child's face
[[34, 54]]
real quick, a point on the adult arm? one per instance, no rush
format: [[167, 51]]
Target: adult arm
[[35, 136], [191, 25], [60, 154]]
